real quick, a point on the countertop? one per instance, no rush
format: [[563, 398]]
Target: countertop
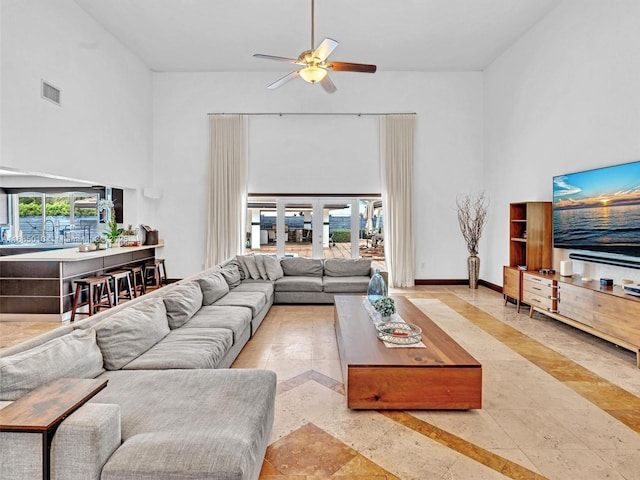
[[72, 254]]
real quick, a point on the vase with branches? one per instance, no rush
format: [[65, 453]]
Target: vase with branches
[[472, 216]]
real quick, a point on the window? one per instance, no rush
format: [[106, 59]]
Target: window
[[316, 227], [69, 217]]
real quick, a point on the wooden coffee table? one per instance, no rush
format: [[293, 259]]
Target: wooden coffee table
[[442, 376]]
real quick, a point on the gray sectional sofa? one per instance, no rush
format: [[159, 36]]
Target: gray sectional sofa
[[172, 408], [306, 280]]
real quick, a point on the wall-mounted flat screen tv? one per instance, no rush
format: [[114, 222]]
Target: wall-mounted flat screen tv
[[598, 210]]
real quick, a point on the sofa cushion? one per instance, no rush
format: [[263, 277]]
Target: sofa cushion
[[261, 267], [273, 267], [185, 348], [182, 302], [236, 319], [204, 423], [231, 275], [254, 300], [129, 333], [252, 267], [298, 284], [73, 355], [357, 284], [338, 267], [244, 270], [256, 286], [298, 266], [235, 261], [213, 287]]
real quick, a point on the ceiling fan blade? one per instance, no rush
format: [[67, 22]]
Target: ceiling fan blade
[[325, 48], [284, 79], [351, 67], [328, 85], [280, 59]]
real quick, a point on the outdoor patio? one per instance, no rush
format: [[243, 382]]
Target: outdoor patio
[[339, 250]]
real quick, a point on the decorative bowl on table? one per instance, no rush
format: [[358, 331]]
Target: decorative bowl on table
[[400, 333]]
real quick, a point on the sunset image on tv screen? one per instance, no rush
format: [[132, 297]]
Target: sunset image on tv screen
[[598, 209]]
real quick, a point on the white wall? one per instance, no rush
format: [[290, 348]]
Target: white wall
[[102, 131], [449, 133], [333, 155], [564, 98]]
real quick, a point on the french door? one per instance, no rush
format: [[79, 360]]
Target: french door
[[314, 225], [305, 226]]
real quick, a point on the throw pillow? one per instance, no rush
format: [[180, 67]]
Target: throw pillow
[[182, 302], [273, 267], [250, 262], [213, 287], [235, 261], [261, 268], [75, 355], [243, 265], [129, 333], [231, 274]]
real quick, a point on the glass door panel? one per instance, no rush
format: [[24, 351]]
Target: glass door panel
[[297, 229], [325, 227]]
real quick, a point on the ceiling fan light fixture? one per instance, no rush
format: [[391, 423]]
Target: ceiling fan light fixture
[[313, 74]]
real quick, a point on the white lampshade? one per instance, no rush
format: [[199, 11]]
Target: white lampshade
[[313, 74]]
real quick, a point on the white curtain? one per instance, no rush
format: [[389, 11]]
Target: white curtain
[[396, 152], [227, 199]]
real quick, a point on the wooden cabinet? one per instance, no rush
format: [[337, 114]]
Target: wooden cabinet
[[539, 291], [606, 312], [530, 244], [511, 284], [573, 303]]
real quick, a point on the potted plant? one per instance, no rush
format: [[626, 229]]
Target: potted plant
[[386, 307], [113, 231], [472, 216]]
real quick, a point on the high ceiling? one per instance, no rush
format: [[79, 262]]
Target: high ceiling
[[397, 35]]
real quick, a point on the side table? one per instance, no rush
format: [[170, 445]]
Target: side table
[[43, 410]]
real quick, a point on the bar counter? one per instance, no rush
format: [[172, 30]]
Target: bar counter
[[39, 285]]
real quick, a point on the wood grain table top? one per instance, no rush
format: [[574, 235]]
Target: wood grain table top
[[48, 405], [363, 348]]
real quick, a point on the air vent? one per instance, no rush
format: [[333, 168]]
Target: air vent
[[51, 93]]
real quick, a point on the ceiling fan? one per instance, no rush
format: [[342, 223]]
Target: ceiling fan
[[315, 63]]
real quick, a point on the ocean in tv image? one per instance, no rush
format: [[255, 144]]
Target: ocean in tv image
[[598, 209]]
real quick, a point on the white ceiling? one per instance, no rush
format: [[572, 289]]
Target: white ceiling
[[222, 35]]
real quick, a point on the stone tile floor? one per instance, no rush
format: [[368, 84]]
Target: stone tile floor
[[557, 403]]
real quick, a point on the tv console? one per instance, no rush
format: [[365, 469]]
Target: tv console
[[605, 312]]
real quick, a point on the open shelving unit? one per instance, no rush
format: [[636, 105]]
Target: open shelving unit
[[530, 244]]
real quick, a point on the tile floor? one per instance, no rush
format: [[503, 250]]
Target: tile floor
[[557, 403]]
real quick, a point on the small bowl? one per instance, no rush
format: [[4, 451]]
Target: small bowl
[[400, 333]]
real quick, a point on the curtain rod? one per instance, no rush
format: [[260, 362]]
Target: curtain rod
[[281, 114]]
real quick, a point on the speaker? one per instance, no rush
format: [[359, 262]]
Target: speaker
[[566, 268]]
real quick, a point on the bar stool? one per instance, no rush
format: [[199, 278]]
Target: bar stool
[[158, 271], [96, 287], [139, 287], [121, 279]]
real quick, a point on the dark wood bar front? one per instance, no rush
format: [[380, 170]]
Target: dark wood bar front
[[39, 286]]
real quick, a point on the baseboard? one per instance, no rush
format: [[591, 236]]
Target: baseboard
[[491, 286], [442, 281], [454, 281]]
